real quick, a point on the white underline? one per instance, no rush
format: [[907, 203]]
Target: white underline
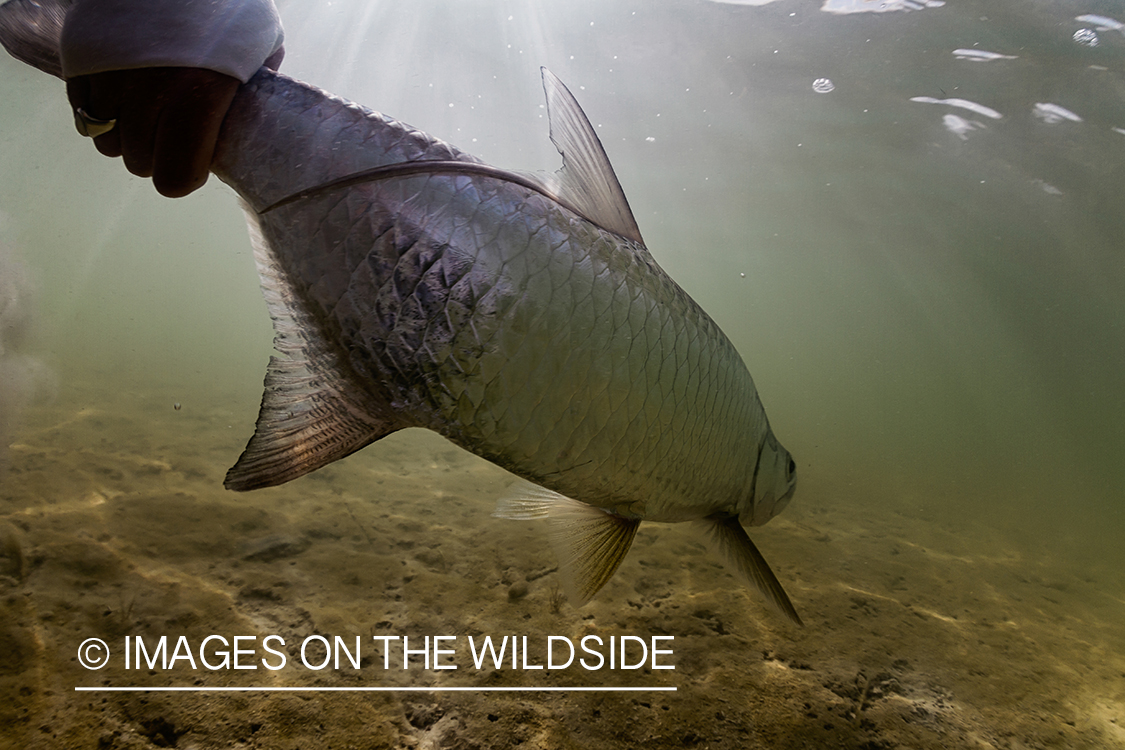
[[366, 689]]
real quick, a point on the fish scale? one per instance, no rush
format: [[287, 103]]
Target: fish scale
[[519, 315]]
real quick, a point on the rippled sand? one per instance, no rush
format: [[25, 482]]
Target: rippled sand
[[920, 632]]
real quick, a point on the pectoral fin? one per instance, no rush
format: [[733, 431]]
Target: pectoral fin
[[731, 540], [589, 542]]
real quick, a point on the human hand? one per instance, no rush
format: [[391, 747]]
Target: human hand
[[167, 120]]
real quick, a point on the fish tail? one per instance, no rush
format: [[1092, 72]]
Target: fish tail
[[312, 413], [31, 31]]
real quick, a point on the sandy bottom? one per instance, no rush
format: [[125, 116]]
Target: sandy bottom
[[920, 633]]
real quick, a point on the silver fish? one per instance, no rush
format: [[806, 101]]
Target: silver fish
[[519, 315]]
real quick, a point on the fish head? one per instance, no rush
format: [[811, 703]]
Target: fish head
[[774, 483]]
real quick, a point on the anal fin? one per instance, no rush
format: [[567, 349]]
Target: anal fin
[[311, 414], [589, 542], [743, 557]]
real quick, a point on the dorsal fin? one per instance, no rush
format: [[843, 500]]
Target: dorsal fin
[[586, 181]]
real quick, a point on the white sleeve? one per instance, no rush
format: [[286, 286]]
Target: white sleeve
[[229, 36]]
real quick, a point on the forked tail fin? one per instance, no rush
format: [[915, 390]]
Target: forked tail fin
[[31, 31]]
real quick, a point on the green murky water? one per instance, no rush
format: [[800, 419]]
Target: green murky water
[[930, 299]]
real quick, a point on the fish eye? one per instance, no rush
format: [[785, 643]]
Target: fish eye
[[792, 466]]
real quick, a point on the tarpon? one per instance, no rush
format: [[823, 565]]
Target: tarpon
[[519, 315]]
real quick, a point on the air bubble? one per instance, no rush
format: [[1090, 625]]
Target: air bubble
[[1086, 37]]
